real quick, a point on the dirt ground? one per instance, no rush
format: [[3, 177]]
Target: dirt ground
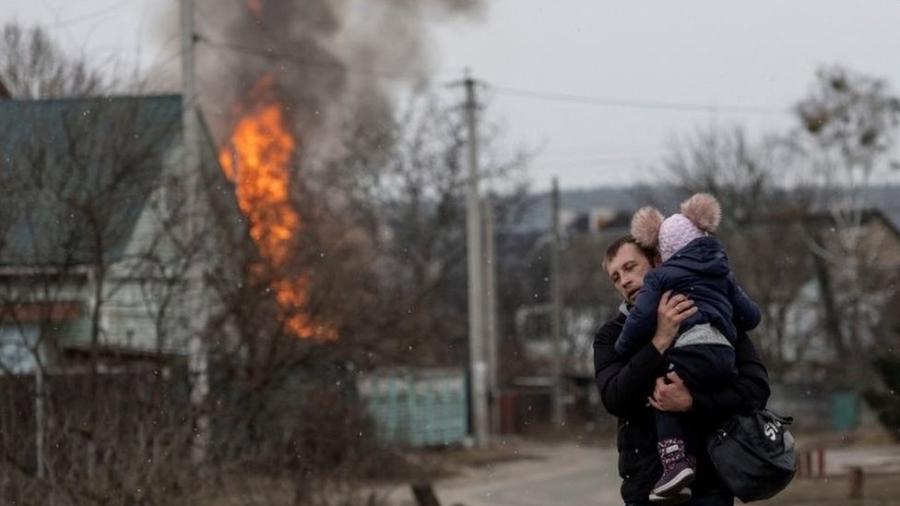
[[878, 490], [580, 470], [872, 449]]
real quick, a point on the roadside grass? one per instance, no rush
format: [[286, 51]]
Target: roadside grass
[[499, 453], [878, 490], [868, 436], [367, 486]]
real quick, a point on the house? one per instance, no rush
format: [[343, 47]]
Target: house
[[103, 232], [589, 300], [855, 279]]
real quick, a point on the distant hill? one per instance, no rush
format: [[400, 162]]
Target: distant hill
[[629, 198]]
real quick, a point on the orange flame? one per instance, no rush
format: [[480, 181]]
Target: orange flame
[[257, 161], [255, 6], [262, 148]]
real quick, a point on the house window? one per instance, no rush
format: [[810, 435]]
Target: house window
[[17, 349]]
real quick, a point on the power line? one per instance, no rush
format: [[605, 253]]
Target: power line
[[600, 148], [579, 168], [271, 54], [345, 105], [588, 161], [158, 61], [93, 15], [634, 104]]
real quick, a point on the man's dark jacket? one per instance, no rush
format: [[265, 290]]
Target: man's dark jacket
[[700, 270], [625, 384]]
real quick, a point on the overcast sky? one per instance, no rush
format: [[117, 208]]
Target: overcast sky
[[760, 54]]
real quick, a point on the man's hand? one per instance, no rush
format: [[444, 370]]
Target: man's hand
[[672, 310], [673, 396]]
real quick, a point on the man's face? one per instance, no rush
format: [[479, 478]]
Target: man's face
[[626, 271]]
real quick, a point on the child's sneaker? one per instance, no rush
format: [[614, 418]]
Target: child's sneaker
[[678, 468], [680, 497]]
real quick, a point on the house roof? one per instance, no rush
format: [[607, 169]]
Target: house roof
[[866, 215], [76, 174]]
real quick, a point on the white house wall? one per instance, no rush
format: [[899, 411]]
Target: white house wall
[[131, 318], [130, 313], [18, 352]]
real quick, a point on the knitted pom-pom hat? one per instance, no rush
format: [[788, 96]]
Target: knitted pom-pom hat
[[675, 233], [699, 215]]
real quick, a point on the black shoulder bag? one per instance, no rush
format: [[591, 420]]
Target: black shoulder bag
[[754, 454]]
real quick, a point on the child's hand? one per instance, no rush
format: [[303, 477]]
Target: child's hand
[[672, 310], [670, 394]]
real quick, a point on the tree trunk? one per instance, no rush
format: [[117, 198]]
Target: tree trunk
[[832, 317]]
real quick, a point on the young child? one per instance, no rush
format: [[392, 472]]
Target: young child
[[693, 264]]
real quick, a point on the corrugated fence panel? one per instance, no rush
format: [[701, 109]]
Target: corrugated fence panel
[[416, 407]]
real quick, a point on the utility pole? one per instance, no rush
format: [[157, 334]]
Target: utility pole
[[559, 413], [198, 360], [40, 422], [477, 365], [491, 319]]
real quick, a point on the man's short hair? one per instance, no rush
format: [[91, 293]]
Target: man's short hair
[[613, 249]]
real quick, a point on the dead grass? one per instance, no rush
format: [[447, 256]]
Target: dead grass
[[395, 469], [601, 434], [483, 457], [869, 436], [878, 490]]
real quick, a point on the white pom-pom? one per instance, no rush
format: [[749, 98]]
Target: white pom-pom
[[704, 210]]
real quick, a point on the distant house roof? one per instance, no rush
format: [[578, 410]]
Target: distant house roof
[[885, 197], [75, 171], [866, 215]]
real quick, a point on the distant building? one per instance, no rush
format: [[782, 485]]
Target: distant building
[[95, 211], [867, 282]]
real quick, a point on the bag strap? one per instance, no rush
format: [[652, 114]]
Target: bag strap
[[785, 420]]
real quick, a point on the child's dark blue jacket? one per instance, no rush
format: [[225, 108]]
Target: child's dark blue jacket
[[700, 271]]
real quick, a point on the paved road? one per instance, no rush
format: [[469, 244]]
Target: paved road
[[879, 459], [562, 474], [573, 475]]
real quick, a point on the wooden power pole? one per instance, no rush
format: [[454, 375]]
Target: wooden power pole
[[559, 413], [477, 365]]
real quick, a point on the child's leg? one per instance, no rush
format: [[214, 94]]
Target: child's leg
[[667, 427], [678, 468], [693, 444], [670, 431]]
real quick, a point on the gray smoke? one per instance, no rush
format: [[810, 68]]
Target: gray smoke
[[327, 58]]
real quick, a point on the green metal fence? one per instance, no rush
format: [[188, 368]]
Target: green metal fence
[[845, 411], [416, 407]]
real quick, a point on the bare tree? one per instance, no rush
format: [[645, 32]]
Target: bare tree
[[402, 184], [761, 223], [33, 66], [96, 263], [94, 260], [376, 272], [848, 129], [98, 249], [794, 213]]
